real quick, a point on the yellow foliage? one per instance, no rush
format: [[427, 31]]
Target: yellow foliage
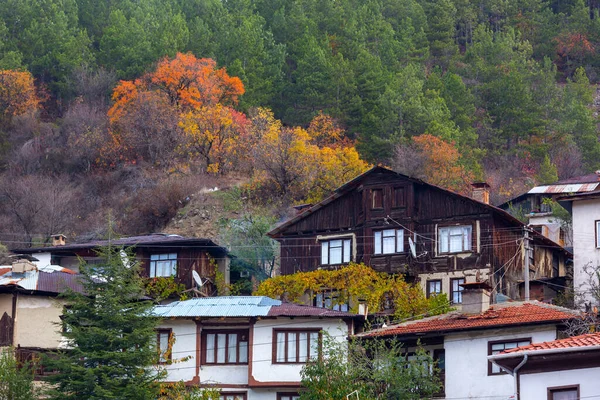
[[356, 283]]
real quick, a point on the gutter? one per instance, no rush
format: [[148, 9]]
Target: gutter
[[495, 357]]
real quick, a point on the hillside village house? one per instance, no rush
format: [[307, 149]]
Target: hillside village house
[[249, 347], [533, 205], [564, 369], [585, 211], [30, 309], [461, 342], [398, 224], [161, 255]]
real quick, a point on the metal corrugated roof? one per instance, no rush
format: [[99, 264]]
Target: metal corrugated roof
[[51, 279], [569, 188], [225, 306], [242, 306]]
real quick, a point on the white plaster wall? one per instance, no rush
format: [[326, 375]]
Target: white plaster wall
[[467, 364], [263, 369], [224, 374], [43, 259], [6, 300], [184, 348], [445, 277], [585, 213], [535, 386], [38, 322]]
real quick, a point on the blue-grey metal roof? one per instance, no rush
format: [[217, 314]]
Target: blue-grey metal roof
[[224, 306]]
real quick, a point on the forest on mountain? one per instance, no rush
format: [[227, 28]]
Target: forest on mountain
[[129, 108]]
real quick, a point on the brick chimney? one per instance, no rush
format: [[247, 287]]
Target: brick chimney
[[481, 192], [475, 297], [59, 240]]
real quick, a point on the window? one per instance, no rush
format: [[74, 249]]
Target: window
[[163, 345], [295, 346], [225, 347], [288, 396], [376, 198], [163, 265], [336, 251], [329, 299], [598, 234], [563, 393], [389, 241], [398, 199], [434, 287], [456, 290], [232, 396], [454, 239], [500, 346]]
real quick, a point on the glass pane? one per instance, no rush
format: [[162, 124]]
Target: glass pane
[[303, 343], [444, 240], [400, 240], [335, 254], [152, 269], [210, 348], [243, 352], [335, 243], [524, 343], [153, 257], [389, 245], [377, 242], [496, 369], [570, 394], [347, 251], [498, 347], [324, 252], [314, 344], [221, 339], [389, 233], [232, 348], [280, 347], [456, 243], [291, 353], [467, 238]]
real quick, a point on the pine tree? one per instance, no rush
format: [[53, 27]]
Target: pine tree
[[111, 336]]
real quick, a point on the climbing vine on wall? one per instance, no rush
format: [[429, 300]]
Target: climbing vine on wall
[[353, 284]]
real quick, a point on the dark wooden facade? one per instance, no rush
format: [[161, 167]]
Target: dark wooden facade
[[382, 199]]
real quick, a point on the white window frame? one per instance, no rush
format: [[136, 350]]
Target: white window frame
[[342, 243], [163, 265], [382, 246], [447, 233]]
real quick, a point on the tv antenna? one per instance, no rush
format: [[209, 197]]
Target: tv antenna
[[198, 280], [413, 249]]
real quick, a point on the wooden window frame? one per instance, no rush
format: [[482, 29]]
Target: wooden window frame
[[395, 193], [428, 289], [396, 250], [169, 332], [493, 342], [439, 239], [373, 197], [153, 263], [332, 296], [242, 395], [280, 395], [308, 331], [226, 332], [452, 291], [558, 389], [342, 239]]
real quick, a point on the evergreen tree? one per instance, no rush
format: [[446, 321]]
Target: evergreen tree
[[111, 335]]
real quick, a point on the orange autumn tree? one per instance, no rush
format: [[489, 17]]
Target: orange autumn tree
[[301, 165], [201, 97], [18, 94], [442, 163]]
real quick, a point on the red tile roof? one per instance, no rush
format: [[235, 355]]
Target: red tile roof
[[590, 339], [530, 313]]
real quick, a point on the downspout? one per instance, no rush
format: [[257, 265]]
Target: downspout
[[515, 374]]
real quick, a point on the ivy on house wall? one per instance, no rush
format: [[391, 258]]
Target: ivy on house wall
[[354, 284]]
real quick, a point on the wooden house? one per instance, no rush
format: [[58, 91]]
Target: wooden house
[[160, 255], [398, 224]]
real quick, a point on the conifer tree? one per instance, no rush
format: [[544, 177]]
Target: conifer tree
[[111, 336]]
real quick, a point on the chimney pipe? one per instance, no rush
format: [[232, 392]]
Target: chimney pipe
[[475, 297], [481, 192], [59, 240]]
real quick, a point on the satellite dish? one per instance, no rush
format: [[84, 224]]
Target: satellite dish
[[413, 250], [198, 280]]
